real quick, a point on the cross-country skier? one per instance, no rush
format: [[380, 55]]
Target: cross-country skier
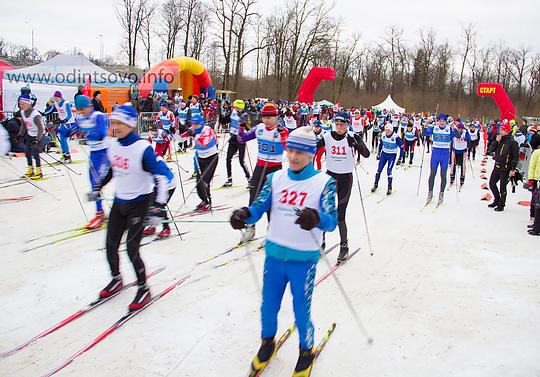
[[302, 201], [134, 167], [33, 131], [67, 128], [184, 122], [505, 152], [271, 139], [389, 148], [238, 119], [341, 147], [460, 143], [206, 148], [378, 125], [442, 135], [474, 135], [410, 138], [95, 128], [166, 122]]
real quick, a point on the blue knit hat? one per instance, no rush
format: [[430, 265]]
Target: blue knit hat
[[302, 139], [82, 102], [442, 116], [342, 117], [25, 98], [197, 119], [125, 114]]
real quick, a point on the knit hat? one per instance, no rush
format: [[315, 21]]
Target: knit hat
[[317, 123], [82, 102], [126, 114], [57, 94], [512, 122], [197, 119], [460, 125], [164, 104], [25, 98], [239, 104], [442, 116], [505, 126], [302, 139], [342, 117], [269, 110], [388, 127]]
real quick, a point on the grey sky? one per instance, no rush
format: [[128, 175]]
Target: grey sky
[[62, 25]]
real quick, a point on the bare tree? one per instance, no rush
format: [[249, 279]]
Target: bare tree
[[245, 15], [468, 42], [131, 15], [226, 12], [519, 65], [147, 31], [198, 30], [171, 24]]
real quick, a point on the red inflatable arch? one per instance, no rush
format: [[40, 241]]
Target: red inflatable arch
[[312, 81], [497, 92]]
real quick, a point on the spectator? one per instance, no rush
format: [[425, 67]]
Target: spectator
[[534, 177], [96, 102], [13, 128]]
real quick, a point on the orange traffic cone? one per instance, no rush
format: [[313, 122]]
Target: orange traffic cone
[[525, 203], [484, 186], [483, 170], [483, 176], [487, 197]]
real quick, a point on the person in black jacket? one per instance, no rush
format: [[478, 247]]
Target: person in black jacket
[[505, 151], [13, 127], [96, 102]]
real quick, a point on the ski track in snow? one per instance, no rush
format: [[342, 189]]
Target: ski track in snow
[[451, 293]]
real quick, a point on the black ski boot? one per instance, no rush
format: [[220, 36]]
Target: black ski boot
[[304, 363], [264, 355], [389, 190], [141, 298], [112, 288], [493, 205], [374, 188], [343, 252], [228, 183]]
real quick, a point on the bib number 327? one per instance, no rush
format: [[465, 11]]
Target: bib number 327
[[293, 198]]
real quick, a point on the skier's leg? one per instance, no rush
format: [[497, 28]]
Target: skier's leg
[[115, 231], [136, 212], [274, 284], [302, 276], [241, 159]]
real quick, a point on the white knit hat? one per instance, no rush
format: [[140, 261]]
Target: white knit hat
[[302, 139]]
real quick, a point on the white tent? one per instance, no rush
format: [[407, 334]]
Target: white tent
[[389, 105]]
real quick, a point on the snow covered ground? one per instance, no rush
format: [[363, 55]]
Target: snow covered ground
[[451, 293]]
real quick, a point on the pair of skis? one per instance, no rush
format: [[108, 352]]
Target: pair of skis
[[290, 330], [76, 232], [91, 306]]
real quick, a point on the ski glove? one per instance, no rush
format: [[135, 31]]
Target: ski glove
[[308, 218], [239, 217], [156, 214], [93, 196]]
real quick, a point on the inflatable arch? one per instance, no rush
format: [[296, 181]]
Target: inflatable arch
[[497, 92], [179, 72], [312, 81]]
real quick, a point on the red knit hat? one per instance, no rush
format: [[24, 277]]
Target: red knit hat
[[269, 109], [505, 126]]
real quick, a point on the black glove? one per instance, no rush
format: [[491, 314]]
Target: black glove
[[191, 132], [34, 142], [308, 218], [280, 128], [156, 214], [93, 196], [239, 217]]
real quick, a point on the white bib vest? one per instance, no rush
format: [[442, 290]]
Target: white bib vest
[[131, 179], [357, 125], [288, 195], [460, 142], [270, 147], [29, 122], [339, 155], [389, 143], [62, 112], [87, 125], [441, 138]]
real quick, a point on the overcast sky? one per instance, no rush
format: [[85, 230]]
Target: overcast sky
[[62, 25]]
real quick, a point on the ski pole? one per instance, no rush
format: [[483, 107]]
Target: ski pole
[[76, 194], [179, 175], [96, 176], [252, 266], [48, 163], [62, 162], [363, 211], [29, 181], [176, 226], [344, 294], [421, 167]]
